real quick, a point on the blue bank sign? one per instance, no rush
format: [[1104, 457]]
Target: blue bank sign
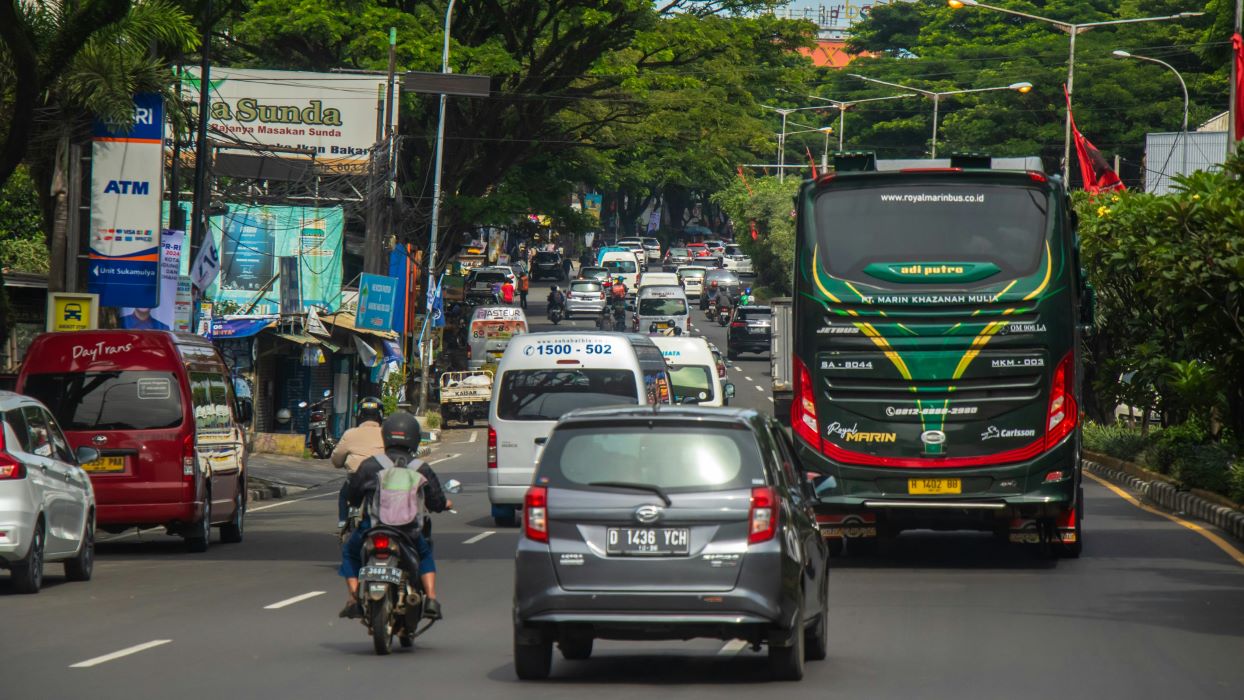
[[126, 175]]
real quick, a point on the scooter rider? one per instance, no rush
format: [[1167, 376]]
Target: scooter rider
[[556, 300], [401, 434], [357, 444]]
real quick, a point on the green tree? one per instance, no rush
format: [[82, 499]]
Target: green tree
[[766, 203], [22, 245]]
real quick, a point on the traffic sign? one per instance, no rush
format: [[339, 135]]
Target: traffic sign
[[72, 311]]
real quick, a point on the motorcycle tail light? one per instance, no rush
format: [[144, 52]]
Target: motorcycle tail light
[[381, 546]]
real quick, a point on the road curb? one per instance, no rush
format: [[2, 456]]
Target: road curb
[[1170, 498], [262, 490]]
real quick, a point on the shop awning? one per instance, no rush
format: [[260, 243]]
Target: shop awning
[[238, 327], [345, 321]]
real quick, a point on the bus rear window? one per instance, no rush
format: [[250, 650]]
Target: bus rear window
[[933, 222], [109, 400]]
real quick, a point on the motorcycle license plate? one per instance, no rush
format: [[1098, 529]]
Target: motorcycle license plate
[[648, 541], [318, 424], [381, 574]]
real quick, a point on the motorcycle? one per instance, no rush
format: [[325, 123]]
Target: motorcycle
[[712, 310], [390, 588], [555, 315], [723, 316], [318, 435]]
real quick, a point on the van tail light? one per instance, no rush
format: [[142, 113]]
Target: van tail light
[[803, 408], [763, 519], [492, 448], [188, 456], [536, 514], [1063, 413]]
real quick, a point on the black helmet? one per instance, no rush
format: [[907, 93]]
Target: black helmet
[[370, 408], [401, 430]]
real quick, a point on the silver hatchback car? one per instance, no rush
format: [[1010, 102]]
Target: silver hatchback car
[[669, 523], [47, 505]]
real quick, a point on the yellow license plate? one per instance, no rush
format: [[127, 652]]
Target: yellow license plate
[[925, 487], [106, 464]]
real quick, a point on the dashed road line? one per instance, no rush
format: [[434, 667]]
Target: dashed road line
[[474, 436], [278, 504], [120, 653], [480, 536], [446, 458], [290, 601], [770, 399]]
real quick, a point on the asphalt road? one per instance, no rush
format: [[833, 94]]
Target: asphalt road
[[1152, 610]]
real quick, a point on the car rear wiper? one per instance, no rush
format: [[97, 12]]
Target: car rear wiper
[[652, 488]]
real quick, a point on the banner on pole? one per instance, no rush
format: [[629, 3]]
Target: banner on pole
[[163, 316]]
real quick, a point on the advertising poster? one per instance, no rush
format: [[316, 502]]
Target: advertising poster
[[162, 317], [312, 236], [377, 295], [183, 305], [127, 170]]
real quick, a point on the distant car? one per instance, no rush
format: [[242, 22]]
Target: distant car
[[547, 265], [481, 281], [47, 503], [726, 280], [669, 523], [585, 297], [599, 274], [716, 247], [692, 277], [751, 330], [652, 250], [737, 261], [636, 246], [676, 257], [699, 251]]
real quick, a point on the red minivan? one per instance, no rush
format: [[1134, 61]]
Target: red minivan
[[159, 408]]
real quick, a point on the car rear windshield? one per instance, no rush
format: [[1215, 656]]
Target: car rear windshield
[[585, 287], [658, 306], [672, 456], [619, 265], [679, 251], [546, 257], [546, 394], [734, 250], [109, 400], [722, 277], [695, 272], [957, 222], [691, 383], [488, 277], [755, 313]]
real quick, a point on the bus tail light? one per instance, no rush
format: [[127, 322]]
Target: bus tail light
[[803, 408], [1062, 414], [492, 448]]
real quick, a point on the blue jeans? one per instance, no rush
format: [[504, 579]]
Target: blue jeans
[[343, 508], [352, 552]]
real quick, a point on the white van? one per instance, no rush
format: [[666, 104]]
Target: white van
[[540, 378], [661, 308], [659, 279], [624, 264], [693, 372], [490, 331]]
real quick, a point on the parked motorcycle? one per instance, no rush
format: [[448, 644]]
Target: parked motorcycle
[[390, 588], [318, 435]]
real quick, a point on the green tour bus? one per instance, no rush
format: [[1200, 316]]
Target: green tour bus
[[938, 310]]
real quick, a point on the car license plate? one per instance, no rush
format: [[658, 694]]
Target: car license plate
[[639, 541], [105, 464], [926, 487], [384, 574], [662, 325]]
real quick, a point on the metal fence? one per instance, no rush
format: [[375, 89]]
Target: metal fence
[[1168, 155]]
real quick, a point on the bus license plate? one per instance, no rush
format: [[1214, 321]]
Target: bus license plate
[[105, 464], [650, 541], [926, 487]]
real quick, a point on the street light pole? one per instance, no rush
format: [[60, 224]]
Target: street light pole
[[1073, 30], [1183, 133], [426, 355], [937, 100], [844, 105], [784, 111]]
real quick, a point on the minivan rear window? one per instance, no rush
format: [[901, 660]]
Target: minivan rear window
[[624, 266], [673, 457], [691, 383], [546, 394], [126, 400]]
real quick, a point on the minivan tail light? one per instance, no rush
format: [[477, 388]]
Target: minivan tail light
[[1062, 413], [492, 448], [536, 514], [803, 408], [763, 518], [188, 455]]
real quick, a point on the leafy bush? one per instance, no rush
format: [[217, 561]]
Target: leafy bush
[[1203, 467], [1169, 443], [1118, 441], [1235, 482]]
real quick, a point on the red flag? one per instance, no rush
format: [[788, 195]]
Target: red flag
[[812, 161], [1237, 42], [1097, 174]]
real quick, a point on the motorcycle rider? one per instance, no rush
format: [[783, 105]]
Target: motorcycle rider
[[618, 290], [356, 445], [401, 435], [713, 292], [746, 298], [556, 300]]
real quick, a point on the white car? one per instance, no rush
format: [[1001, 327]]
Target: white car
[[692, 277], [736, 260], [652, 248], [47, 503], [636, 246]]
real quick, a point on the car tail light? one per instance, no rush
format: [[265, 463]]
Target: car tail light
[[189, 455], [1062, 414], [763, 519], [492, 448], [803, 408], [536, 514], [11, 468], [739, 324]]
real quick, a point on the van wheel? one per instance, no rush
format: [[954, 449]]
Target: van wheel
[[28, 574], [235, 529], [80, 567], [532, 662], [786, 663], [197, 541]]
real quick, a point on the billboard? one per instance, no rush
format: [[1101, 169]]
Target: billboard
[[127, 174], [253, 238], [377, 295], [163, 316], [335, 114]]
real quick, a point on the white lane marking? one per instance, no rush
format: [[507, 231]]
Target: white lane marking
[[118, 654], [770, 399], [290, 601], [446, 458], [480, 536], [296, 500], [732, 647], [759, 388], [474, 436]]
